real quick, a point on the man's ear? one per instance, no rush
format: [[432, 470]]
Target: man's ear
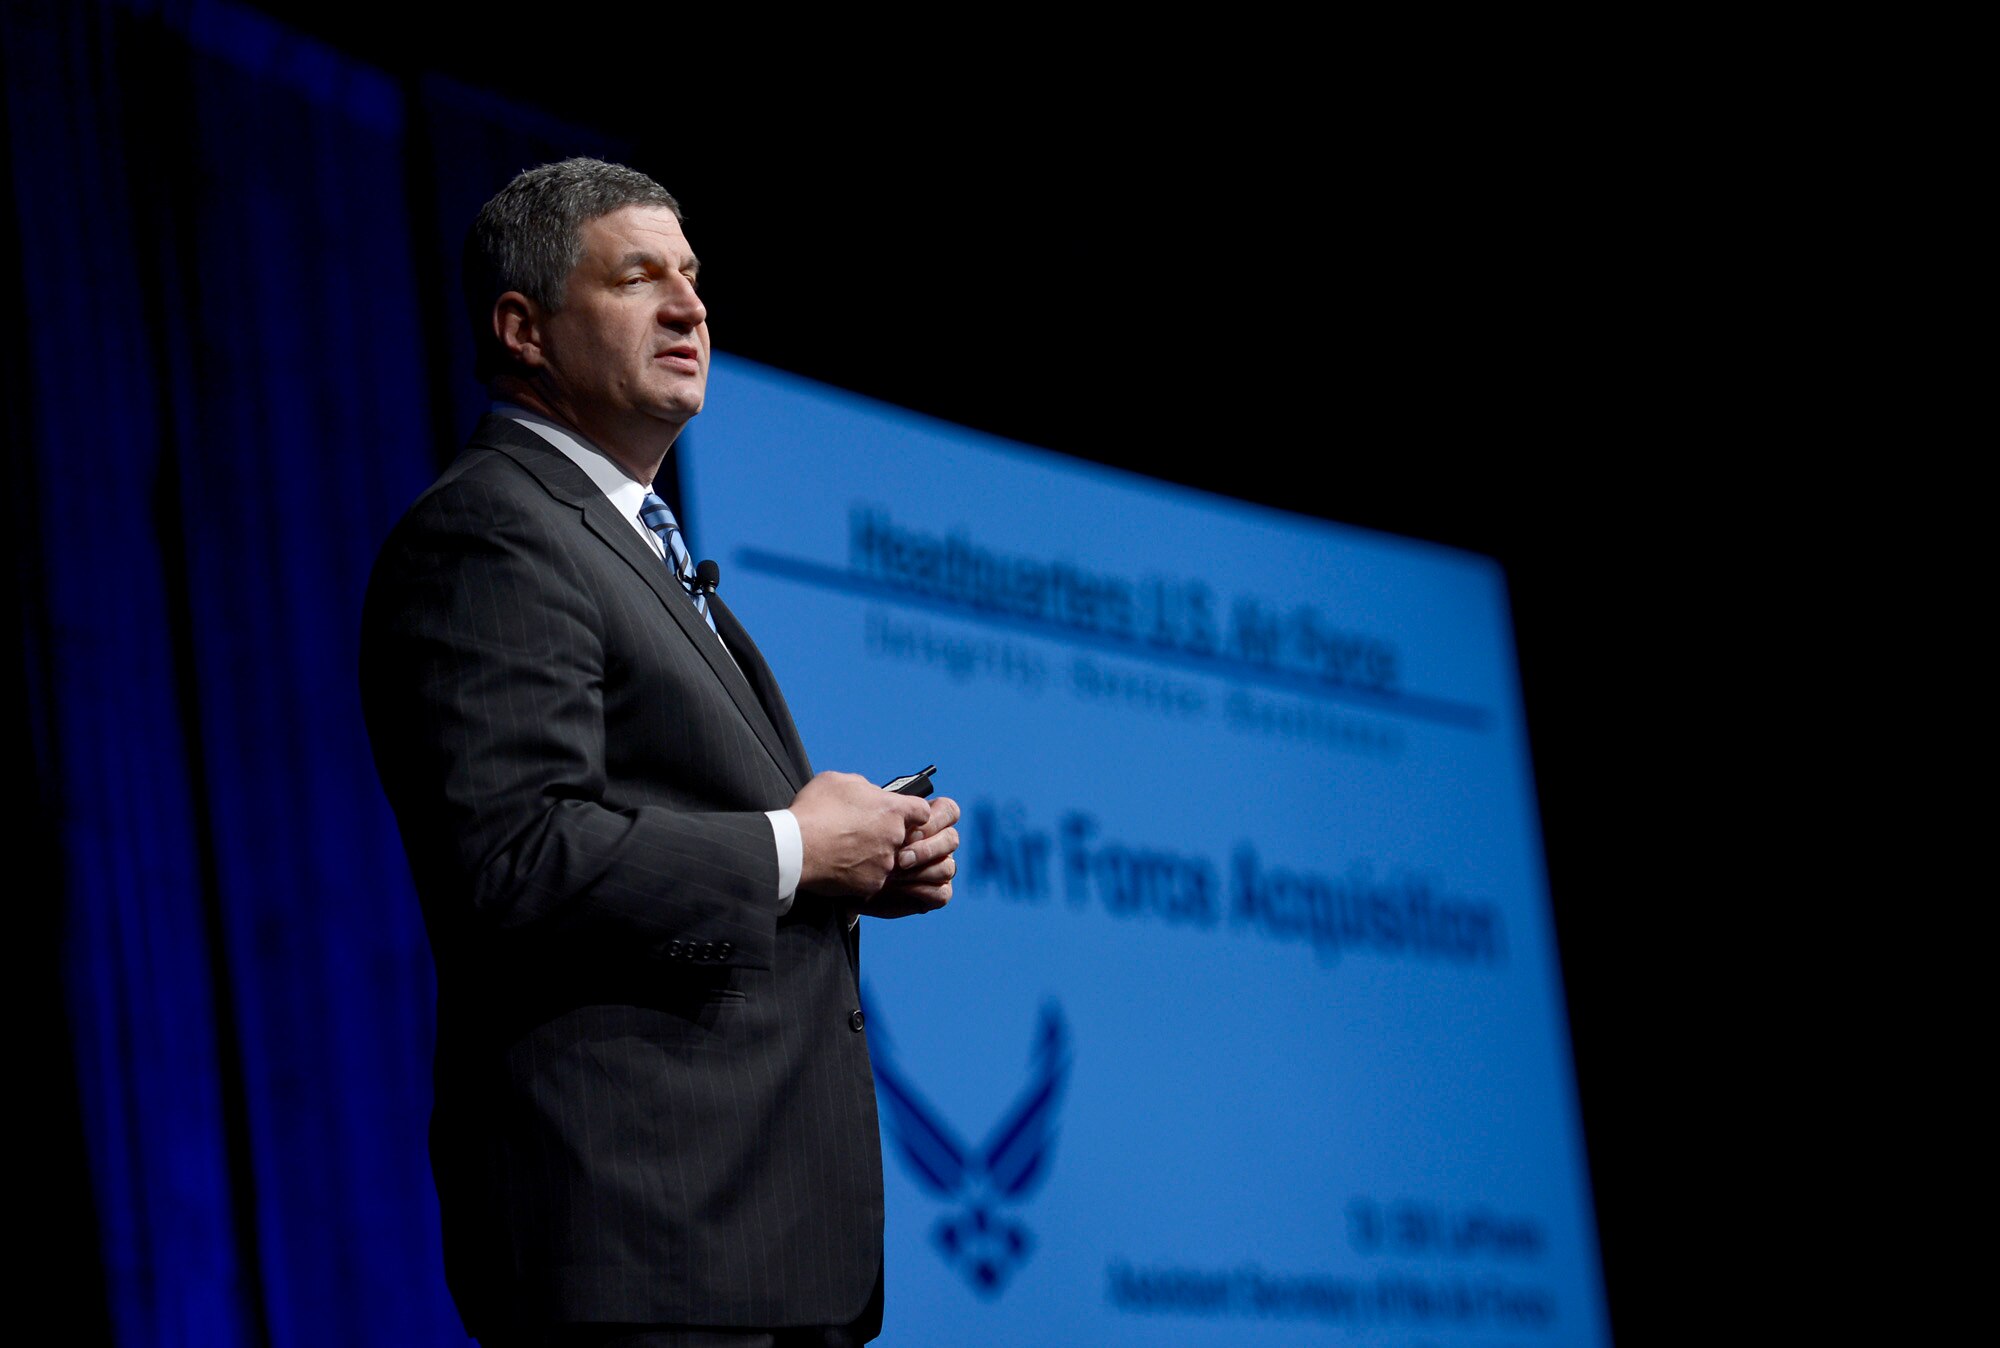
[[517, 326]]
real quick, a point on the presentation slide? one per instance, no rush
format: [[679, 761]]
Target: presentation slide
[[1244, 1025]]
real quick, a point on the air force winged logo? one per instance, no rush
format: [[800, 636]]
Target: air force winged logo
[[985, 1245]]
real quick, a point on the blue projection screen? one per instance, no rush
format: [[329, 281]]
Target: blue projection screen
[[1244, 1025]]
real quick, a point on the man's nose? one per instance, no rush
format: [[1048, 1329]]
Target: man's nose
[[681, 306]]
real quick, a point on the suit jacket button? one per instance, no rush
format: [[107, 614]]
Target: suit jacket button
[[855, 1020]]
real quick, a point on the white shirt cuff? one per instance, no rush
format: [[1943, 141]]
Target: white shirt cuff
[[791, 856]]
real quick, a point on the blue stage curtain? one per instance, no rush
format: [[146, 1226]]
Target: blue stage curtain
[[232, 313]]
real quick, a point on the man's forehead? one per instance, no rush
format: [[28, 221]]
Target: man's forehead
[[628, 229]]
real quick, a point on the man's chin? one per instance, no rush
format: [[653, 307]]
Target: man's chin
[[683, 409]]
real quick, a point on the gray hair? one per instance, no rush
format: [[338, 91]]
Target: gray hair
[[530, 236]]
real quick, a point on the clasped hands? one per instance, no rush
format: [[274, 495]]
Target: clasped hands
[[887, 855]]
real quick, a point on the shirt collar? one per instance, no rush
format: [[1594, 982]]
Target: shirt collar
[[628, 496]]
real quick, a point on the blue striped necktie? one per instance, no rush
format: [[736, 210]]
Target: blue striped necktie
[[653, 511]]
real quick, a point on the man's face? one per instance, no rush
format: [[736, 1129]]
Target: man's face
[[627, 354]]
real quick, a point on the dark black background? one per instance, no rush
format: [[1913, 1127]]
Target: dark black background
[[1430, 307]]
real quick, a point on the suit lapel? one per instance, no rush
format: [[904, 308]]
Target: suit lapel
[[763, 682], [566, 482]]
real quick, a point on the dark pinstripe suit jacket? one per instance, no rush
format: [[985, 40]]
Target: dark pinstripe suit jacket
[[654, 1101]]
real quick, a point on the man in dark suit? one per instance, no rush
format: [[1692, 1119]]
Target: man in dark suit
[[655, 1119]]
